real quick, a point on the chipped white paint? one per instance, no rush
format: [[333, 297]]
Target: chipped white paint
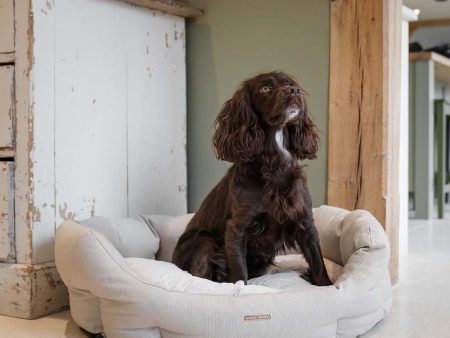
[[6, 106], [156, 107], [42, 156], [100, 123], [24, 126], [30, 291], [7, 253], [109, 103]]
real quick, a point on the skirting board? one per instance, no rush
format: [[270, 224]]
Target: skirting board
[[31, 291]]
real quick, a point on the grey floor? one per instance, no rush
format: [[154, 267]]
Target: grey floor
[[421, 300]]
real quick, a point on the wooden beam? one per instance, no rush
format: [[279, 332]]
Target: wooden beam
[[427, 23], [169, 6], [364, 110]]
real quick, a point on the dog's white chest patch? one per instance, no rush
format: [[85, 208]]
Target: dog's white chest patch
[[279, 140]]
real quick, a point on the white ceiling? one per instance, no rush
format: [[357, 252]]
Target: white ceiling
[[430, 9]]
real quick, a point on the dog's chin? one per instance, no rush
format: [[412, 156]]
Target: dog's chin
[[288, 116], [292, 112]]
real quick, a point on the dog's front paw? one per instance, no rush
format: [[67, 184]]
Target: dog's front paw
[[321, 281], [324, 281], [306, 275]]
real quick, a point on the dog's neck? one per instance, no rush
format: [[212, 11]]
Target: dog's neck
[[276, 138], [279, 140]]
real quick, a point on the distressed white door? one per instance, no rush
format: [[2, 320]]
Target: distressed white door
[[110, 113]]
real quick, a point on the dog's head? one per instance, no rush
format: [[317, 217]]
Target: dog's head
[[271, 100]]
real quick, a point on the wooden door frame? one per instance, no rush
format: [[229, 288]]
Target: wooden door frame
[[364, 108]]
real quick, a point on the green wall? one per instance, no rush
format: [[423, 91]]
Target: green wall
[[236, 39]]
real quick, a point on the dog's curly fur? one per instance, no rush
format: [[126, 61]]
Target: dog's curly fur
[[262, 205]]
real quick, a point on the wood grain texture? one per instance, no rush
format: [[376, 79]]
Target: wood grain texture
[[169, 6], [363, 141], [355, 123]]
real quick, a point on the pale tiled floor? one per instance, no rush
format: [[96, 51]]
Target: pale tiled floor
[[420, 308], [421, 300], [57, 325]]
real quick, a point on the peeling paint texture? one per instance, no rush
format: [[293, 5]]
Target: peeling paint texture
[[107, 140]]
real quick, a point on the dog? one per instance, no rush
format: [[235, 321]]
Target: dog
[[262, 206]]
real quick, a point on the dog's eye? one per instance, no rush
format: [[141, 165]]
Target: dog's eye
[[265, 89]]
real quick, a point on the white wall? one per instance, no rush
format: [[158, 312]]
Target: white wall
[[109, 100], [403, 163]]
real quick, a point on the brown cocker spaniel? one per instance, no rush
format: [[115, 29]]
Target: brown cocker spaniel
[[262, 205]]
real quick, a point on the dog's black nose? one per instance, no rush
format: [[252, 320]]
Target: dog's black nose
[[292, 91]]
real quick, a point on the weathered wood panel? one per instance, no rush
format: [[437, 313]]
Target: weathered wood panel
[[364, 109], [30, 291], [42, 154], [169, 6], [119, 103], [7, 252], [156, 108], [24, 127], [6, 106], [109, 132], [76, 106], [6, 26], [26, 290], [91, 109]]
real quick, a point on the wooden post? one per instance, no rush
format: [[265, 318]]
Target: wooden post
[[364, 108]]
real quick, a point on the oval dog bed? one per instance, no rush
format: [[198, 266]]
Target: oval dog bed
[[117, 286]]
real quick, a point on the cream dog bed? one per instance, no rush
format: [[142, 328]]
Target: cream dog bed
[[116, 285]]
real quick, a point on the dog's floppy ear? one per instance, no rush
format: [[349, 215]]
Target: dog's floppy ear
[[238, 136], [303, 137]]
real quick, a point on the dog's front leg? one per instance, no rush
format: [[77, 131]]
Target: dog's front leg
[[308, 241], [236, 250]]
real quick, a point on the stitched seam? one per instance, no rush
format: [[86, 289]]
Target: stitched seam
[[136, 277]]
